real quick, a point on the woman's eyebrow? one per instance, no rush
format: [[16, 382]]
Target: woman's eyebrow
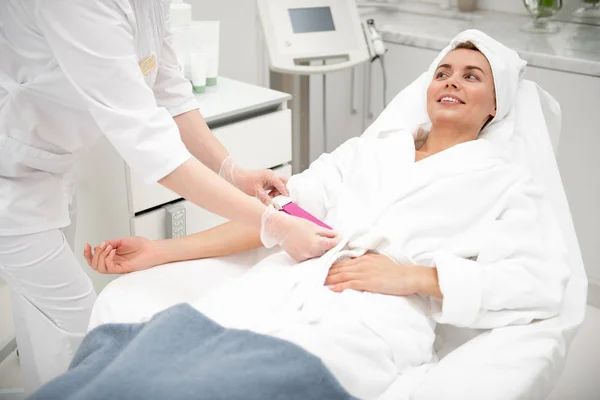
[[470, 67]]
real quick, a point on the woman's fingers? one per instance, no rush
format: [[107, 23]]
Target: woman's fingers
[[342, 277], [101, 266], [350, 285], [87, 253], [110, 261], [97, 251], [344, 263]]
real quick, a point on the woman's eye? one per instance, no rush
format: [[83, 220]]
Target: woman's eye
[[441, 74], [471, 76]]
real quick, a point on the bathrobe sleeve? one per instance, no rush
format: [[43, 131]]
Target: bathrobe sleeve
[[317, 188], [519, 274]]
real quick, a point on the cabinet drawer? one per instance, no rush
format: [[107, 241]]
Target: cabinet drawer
[[256, 143], [261, 142], [153, 225]]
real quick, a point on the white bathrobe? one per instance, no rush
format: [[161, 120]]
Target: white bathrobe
[[463, 211]]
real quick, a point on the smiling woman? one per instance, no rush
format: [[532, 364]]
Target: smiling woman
[[461, 99]]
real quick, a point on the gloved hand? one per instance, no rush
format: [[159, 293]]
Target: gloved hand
[[300, 238], [252, 181]]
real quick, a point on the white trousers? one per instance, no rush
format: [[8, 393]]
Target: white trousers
[[52, 302]]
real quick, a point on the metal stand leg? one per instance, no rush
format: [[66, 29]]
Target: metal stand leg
[[299, 87]]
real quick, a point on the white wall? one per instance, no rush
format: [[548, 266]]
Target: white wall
[[239, 37]]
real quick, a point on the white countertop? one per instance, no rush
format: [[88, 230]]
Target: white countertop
[[232, 99], [575, 48]]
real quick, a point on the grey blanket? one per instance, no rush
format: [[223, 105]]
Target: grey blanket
[[181, 354]]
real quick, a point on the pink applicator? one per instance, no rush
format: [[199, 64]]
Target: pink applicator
[[285, 204]]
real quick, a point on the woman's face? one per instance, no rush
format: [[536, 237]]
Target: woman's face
[[462, 91]]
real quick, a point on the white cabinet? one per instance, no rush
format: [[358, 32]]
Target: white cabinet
[[253, 123]]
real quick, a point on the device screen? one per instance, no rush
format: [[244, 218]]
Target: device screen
[[314, 19]]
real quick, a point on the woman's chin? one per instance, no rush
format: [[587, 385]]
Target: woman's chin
[[446, 117]]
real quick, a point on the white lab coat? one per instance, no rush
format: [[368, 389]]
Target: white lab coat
[[463, 210], [70, 71]]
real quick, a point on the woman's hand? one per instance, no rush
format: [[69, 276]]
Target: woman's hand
[[121, 256], [379, 274]]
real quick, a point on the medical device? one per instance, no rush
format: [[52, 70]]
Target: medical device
[[286, 205], [309, 37], [377, 50]]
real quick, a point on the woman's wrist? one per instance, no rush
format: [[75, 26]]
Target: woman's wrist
[[161, 251], [428, 283]]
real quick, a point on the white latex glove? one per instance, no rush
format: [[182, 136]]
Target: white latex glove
[[251, 181], [300, 238]]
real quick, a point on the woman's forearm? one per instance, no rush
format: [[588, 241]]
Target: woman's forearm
[[225, 239]]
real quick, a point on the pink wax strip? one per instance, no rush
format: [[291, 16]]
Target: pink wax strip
[[295, 210], [286, 205]]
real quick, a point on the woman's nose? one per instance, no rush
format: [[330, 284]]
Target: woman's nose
[[452, 82]]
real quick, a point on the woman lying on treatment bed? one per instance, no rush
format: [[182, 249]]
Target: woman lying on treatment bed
[[435, 229]]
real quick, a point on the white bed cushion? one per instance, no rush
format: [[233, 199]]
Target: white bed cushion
[[136, 297]]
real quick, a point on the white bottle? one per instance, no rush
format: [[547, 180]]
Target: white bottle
[[204, 38], [181, 13], [199, 64]]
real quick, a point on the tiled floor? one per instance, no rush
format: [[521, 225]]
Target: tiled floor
[[579, 381]]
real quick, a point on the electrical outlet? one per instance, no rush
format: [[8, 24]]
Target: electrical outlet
[[176, 220]]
